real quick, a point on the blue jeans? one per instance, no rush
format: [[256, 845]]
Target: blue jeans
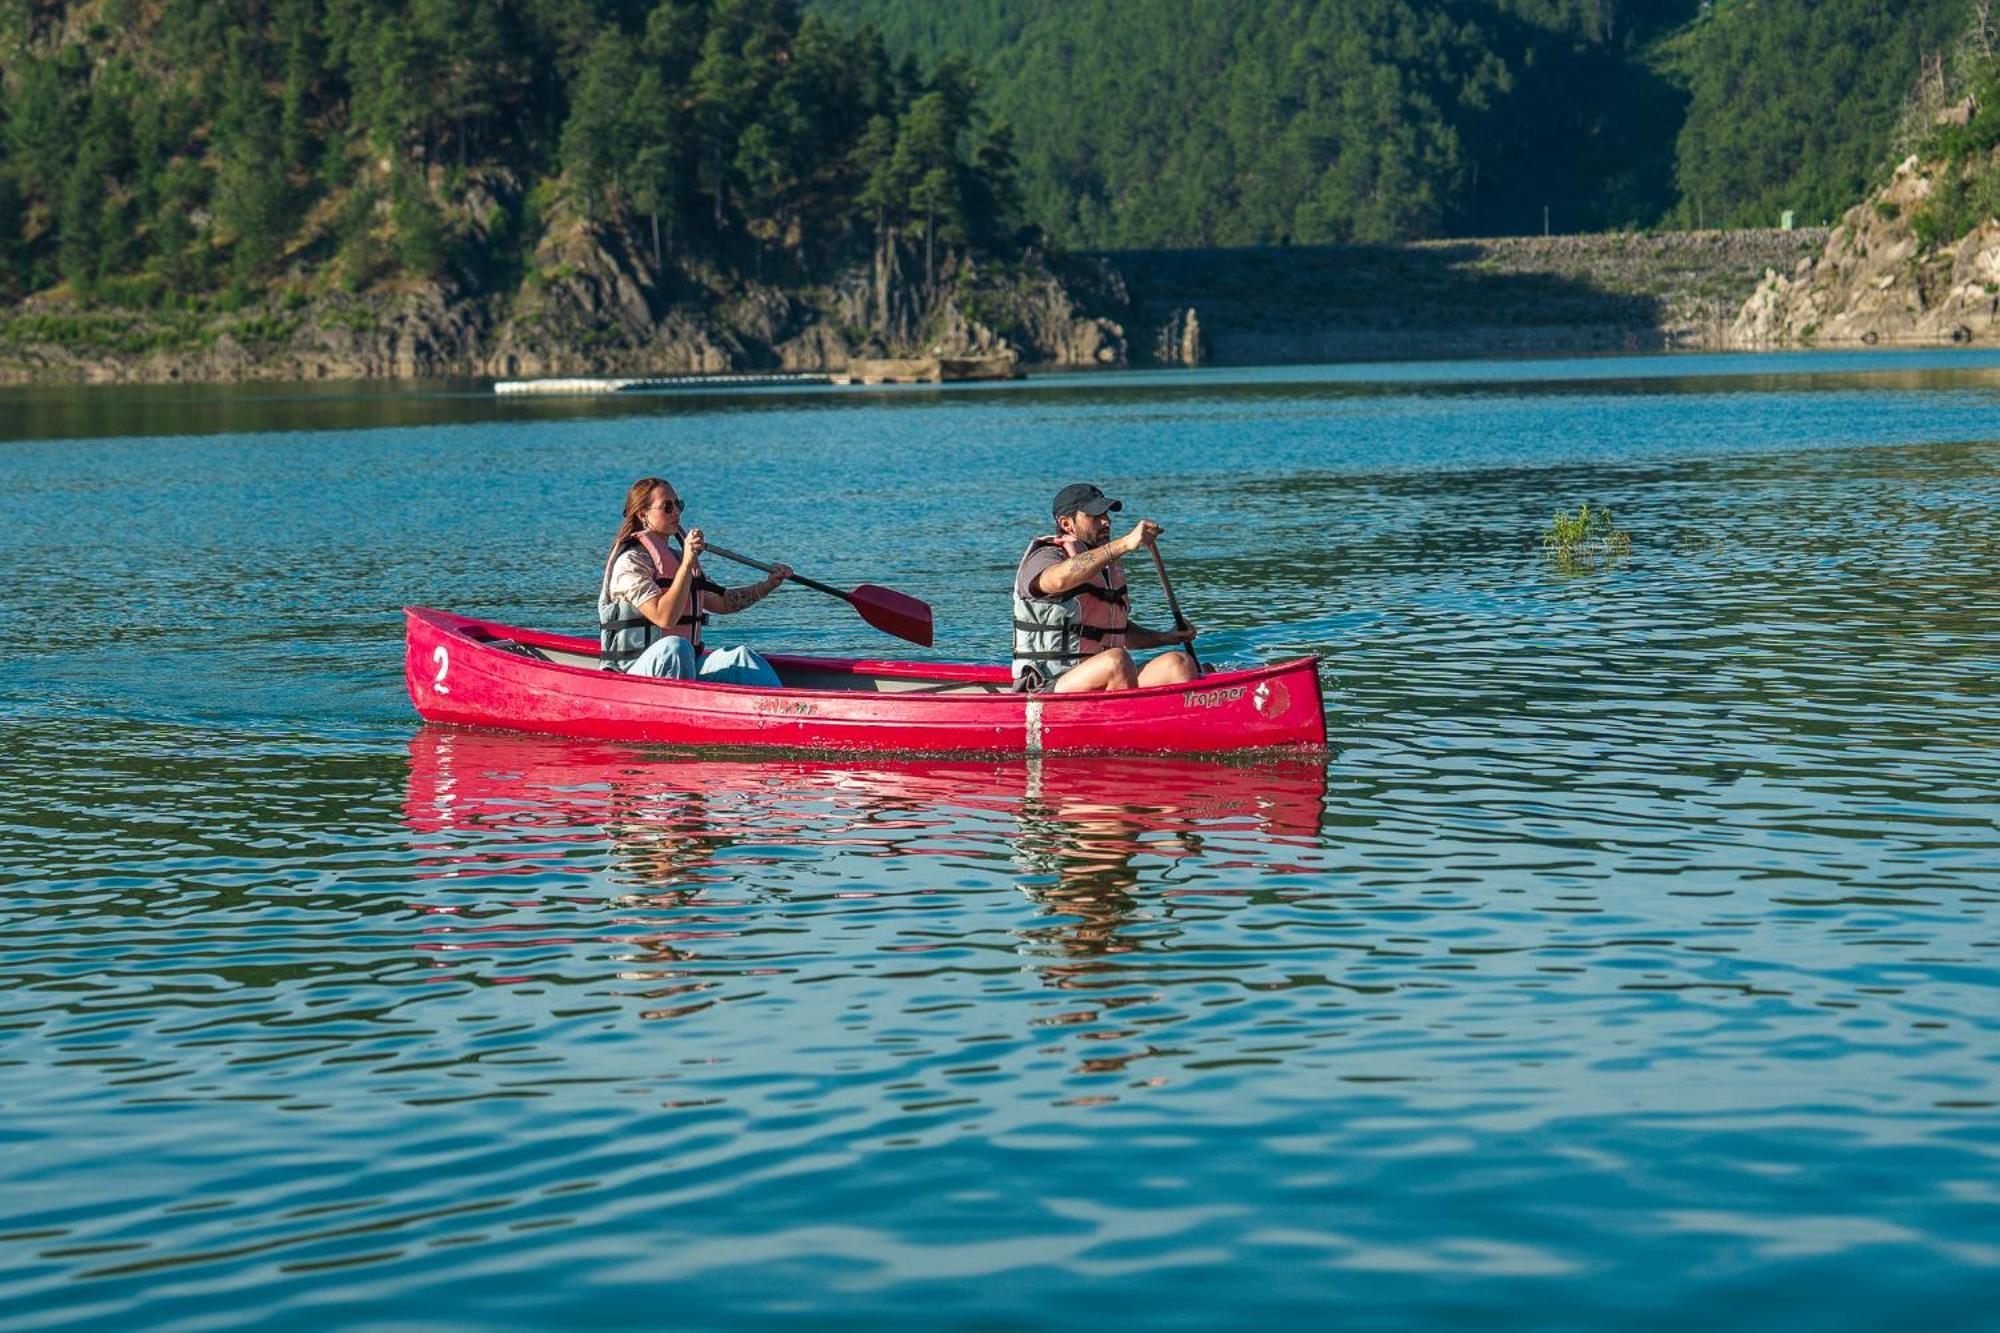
[[673, 656]]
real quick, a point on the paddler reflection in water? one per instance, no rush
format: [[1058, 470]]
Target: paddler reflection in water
[[1080, 857], [652, 604], [1072, 630]]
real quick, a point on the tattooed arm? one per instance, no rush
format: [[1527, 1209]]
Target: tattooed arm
[[731, 600], [1079, 569]]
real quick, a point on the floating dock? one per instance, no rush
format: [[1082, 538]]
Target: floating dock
[[906, 370], [931, 370], [639, 384]]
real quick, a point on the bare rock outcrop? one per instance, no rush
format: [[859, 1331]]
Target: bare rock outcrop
[[1026, 310], [604, 309], [1875, 283], [423, 333], [1180, 342], [594, 304]]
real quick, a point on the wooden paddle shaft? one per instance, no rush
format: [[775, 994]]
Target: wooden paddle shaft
[[886, 609], [1173, 605], [759, 564]]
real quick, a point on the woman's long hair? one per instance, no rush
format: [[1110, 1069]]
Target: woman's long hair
[[636, 501]]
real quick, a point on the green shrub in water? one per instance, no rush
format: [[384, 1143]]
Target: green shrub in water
[[1586, 532]]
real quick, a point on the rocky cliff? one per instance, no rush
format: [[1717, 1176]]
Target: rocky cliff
[[1876, 282], [593, 302]]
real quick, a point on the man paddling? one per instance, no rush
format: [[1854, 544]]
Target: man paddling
[[1072, 631]]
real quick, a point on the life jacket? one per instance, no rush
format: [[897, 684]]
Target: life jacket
[[1052, 635], [623, 632]]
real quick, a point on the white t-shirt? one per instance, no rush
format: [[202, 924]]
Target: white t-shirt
[[634, 578]]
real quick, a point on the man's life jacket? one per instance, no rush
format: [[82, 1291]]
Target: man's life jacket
[[1054, 635], [623, 632]]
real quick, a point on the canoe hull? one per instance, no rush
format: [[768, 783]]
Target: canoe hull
[[457, 673]]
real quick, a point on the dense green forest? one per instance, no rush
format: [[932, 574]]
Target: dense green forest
[[1954, 121], [1799, 106], [215, 152], [1201, 122], [160, 152]]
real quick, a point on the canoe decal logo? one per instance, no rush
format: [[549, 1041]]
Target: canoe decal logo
[[787, 707], [1215, 698]]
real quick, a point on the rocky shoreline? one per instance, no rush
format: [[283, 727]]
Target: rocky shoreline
[[595, 306], [1876, 284]]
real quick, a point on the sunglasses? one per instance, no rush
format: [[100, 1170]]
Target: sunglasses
[[680, 503]]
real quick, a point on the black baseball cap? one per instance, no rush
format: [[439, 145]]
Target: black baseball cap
[[1081, 496]]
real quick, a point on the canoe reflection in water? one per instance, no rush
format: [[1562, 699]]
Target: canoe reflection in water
[[703, 838]]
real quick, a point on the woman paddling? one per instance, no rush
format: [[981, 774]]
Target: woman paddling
[[652, 604]]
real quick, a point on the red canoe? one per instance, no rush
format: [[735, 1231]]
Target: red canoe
[[477, 673]]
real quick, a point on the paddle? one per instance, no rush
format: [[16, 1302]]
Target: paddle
[[890, 611], [1173, 605]]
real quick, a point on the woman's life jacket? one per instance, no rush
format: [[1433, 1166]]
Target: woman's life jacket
[[623, 632], [1053, 635]]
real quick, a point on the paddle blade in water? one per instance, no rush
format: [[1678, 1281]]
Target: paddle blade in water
[[894, 613]]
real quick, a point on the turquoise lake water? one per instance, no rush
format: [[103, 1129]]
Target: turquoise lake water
[[1629, 961]]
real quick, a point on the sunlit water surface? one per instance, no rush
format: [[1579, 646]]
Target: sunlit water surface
[[1629, 962]]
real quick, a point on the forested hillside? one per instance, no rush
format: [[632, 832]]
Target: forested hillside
[[555, 185], [1919, 260], [1799, 106], [166, 152], [1208, 122]]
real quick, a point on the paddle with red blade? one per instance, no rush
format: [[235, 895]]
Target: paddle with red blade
[[886, 609]]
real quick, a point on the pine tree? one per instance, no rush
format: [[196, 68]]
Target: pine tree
[[252, 199], [11, 218], [421, 244], [652, 170], [38, 120], [927, 158], [593, 144], [296, 22], [883, 194]]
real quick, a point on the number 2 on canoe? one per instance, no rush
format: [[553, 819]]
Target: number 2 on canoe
[[443, 659]]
